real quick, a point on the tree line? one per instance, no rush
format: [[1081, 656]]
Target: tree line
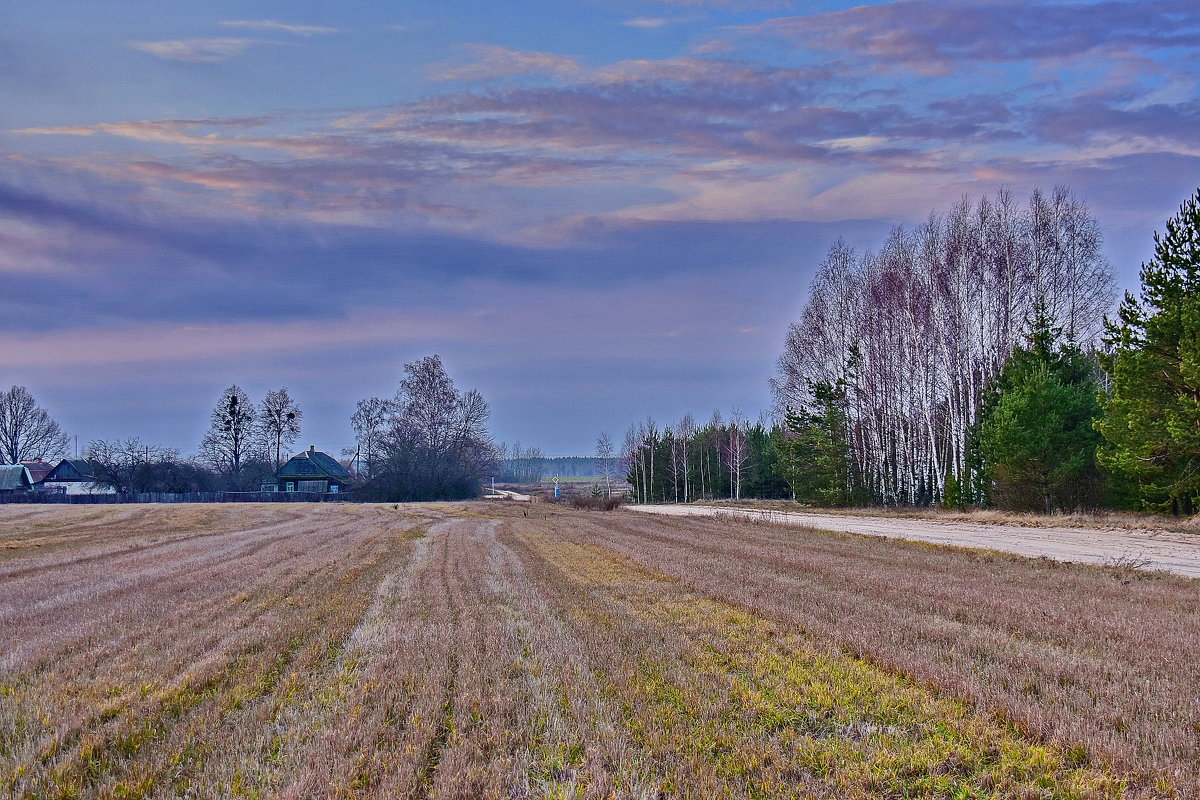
[[969, 362], [690, 461], [428, 441]]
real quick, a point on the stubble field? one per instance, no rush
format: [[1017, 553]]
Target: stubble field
[[473, 650]]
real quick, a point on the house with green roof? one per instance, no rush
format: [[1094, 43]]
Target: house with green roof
[[311, 471], [73, 476], [14, 478]]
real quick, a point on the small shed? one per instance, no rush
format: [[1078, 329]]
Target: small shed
[[14, 478], [312, 471]]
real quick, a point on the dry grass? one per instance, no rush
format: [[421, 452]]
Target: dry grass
[[1106, 659], [464, 651], [1098, 520]]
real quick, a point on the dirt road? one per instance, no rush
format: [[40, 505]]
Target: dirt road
[[1178, 553]]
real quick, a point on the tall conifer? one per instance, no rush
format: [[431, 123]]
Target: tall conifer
[[1152, 415]]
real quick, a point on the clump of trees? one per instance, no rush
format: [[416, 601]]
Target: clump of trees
[[130, 465], [970, 362], [431, 441], [524, 465], [883, 380], [688, 461], [245, 442]]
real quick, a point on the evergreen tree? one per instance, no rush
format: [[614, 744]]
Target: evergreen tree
[[1152, 414], [816, 456], [1037, 434]]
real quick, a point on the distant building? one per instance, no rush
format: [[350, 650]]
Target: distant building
[[73, 476], [14, 478], [38, 470], [310, 471]]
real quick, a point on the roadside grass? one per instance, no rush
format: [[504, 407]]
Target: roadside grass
[[1101, 520]]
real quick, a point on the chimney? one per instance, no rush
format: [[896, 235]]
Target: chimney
[[312, 448]]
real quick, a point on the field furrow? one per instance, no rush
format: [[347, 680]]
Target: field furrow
[[464, 651]]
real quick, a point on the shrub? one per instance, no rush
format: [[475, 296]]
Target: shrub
[[595, 503]]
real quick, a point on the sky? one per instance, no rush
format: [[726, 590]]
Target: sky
[[592, 210]]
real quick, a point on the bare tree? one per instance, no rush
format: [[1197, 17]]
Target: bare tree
[[279, 420], [736, 453], [232, 437], [27, 433], [523, 465], [129, 465], [370, 423], [632, 462], [436, 444], [605, 460], [646, 452], [681, 454]]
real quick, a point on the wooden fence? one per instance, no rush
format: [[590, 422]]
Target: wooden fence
[[185, 497]]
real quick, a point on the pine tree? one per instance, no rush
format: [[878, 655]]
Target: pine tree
[[1037, 434], [1152, 414], [816, 456]]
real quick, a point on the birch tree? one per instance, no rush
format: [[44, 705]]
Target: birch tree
[[232, 435], [370, 422], [605, 457], [916, 332], [279, 421], [436, 445]]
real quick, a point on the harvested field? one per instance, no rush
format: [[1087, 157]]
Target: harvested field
[[475, 650]]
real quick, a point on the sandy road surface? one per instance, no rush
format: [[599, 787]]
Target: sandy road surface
[[1160, 550]]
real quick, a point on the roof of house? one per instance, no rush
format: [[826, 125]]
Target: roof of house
[[71, 469], [312, 464], [14, 476], [38, 469]]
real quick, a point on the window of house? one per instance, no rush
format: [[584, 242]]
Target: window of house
[[333, 488], [291, 486]]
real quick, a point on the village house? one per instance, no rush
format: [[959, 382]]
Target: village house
[[310, 471], [38, 470], [73, 476], [14, 479]]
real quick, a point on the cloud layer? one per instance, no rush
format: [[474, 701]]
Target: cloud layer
[[643, 183]]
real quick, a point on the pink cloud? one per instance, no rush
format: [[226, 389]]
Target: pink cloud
[[934, 37], [195, 51], [493, 61]]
